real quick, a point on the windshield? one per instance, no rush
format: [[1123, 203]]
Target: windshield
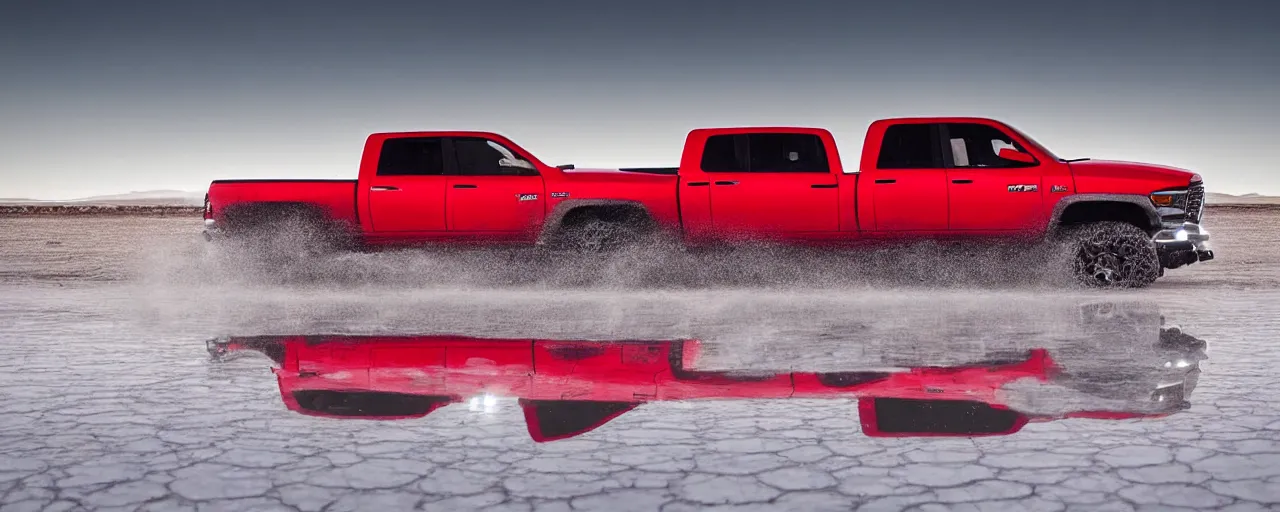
[[1032, 142]]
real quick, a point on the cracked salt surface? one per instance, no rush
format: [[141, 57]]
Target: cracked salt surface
[[111, 401]]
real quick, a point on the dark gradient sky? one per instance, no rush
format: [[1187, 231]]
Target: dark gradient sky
[[104, 97]]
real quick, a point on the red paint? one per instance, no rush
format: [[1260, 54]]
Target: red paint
[[404, 204], [336, 198], [835, 206], [1111, 177]]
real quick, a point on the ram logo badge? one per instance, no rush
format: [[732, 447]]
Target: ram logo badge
[[527, 197], [1023, 188], [1059, 188], [559, 194]]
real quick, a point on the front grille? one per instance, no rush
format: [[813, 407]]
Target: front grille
[[1195, 202]]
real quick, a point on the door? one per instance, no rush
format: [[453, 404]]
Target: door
[[909, 183], [771, 184], [988, 192], [407, 192], [492, 190]]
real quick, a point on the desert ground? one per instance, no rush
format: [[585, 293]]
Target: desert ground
[[111, 399]]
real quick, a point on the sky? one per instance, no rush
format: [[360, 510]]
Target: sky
[[109, 97]]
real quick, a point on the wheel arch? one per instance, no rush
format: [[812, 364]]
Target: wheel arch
[[1085, 208], [565, 210]]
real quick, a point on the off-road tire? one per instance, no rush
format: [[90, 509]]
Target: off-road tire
[[1112, 255]]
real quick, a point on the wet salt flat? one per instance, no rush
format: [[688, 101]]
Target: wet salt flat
[[142, 370]]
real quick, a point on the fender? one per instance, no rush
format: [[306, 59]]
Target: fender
[[1153, 217], [556, 217]]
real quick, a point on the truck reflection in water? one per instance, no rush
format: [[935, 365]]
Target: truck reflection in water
[[567, 388]]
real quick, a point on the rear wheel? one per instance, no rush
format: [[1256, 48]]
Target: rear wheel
[[1112, 255], [287, 230]]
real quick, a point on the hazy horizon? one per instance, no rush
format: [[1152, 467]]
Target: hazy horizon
[[107, 98]]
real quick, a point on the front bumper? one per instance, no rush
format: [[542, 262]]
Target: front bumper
[[1182, 244]]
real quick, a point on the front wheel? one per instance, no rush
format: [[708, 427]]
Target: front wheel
[[1112, 255]]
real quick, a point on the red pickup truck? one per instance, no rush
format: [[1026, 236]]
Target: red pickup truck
[[966, 179]]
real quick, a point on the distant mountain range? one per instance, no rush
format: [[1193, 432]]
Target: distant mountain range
[[143, 198], [188, 198], [1219, 198]]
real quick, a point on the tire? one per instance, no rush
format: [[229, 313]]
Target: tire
[[1112, 255]]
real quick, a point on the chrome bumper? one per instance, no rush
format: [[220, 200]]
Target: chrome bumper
[[1182, 244]]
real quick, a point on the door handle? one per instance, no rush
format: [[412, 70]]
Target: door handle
[[461, 185], [886, 181], [726, 183], [698, 183], [383, 188], [824, 185], [962, 182]]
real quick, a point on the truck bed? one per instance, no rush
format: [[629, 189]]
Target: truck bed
[[337, 198]]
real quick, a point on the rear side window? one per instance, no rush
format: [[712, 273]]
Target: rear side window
[[910, 146], [412, 156], [765, 152], [978, 145], [721, 154], [482, 157]]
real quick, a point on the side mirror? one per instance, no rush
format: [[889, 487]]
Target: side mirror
[[1016, 156]]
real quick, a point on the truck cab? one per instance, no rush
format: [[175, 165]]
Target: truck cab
[[764, 183], [449, 185]]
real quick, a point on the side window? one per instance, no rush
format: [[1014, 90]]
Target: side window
[[765, 152], [909, 146], [411, 156], [482, 157], [978, 145], [721, 154]]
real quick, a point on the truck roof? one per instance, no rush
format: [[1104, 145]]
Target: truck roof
[[961, 119], [437, 133], [753, 129]]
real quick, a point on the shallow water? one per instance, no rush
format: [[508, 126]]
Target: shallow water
[[112, 398]]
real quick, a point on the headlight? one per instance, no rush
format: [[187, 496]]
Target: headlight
[[1169, 198]]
